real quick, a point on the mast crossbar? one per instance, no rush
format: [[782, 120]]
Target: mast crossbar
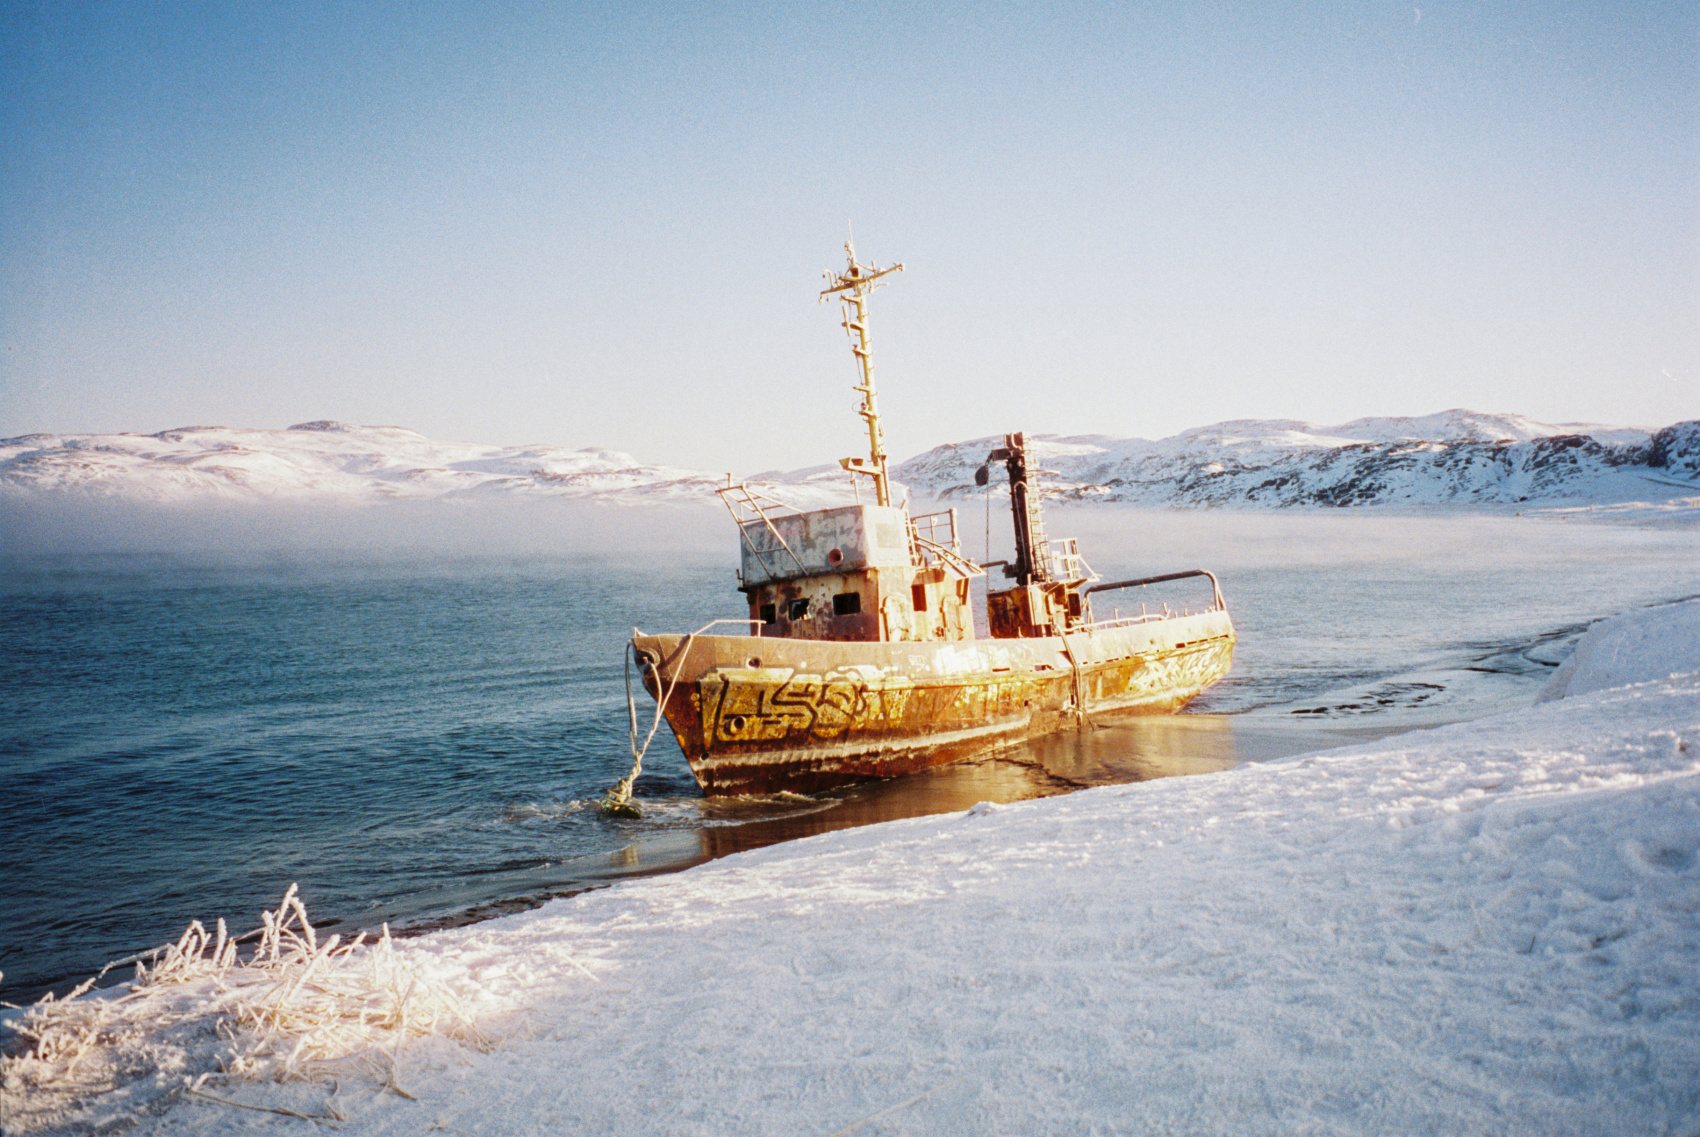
[[852, 287]]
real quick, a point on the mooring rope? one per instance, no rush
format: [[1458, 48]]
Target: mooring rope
[[617, 801]]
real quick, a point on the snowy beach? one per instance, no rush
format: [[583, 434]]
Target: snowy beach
[[1487, 927]]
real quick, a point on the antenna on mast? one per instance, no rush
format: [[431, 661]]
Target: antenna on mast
[[852, 287]]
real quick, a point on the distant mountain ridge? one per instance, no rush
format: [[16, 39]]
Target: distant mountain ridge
[[1454, 457], [333, 461]]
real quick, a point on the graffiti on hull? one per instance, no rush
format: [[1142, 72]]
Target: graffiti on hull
[[780, 705], [1179, 673], [765, 707]]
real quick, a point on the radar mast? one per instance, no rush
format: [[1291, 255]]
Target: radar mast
[[852, 287]]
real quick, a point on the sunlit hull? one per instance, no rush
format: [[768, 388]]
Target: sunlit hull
[[760, 716]]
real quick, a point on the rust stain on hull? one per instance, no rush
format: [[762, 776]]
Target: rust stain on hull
[[761, 729]]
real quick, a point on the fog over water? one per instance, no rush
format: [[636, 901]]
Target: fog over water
[[237, 532], [411, 710]]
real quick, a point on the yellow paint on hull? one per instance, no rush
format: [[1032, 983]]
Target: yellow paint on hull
[[760, 716]]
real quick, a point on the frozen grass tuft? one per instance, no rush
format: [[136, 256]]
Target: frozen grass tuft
[[296, 1010]]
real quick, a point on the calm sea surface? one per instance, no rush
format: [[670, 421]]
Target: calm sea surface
[[422, 739]]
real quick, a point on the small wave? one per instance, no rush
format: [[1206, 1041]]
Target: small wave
[[545, 811], [745, 809]]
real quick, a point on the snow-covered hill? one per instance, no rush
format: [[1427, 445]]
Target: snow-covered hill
[[335, 461], [1452, 457]]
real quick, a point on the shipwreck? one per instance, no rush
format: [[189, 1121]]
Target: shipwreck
[[862, 659]]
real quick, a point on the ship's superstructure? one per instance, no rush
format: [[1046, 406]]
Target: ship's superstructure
[[863, 660], [859, 572], [864, 572]]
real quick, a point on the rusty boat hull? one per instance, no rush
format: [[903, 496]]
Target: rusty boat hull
[[758, 715]]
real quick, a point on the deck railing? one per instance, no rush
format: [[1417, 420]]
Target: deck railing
[[1066, 561], [747, 506], [1145, 617], [933, 539]]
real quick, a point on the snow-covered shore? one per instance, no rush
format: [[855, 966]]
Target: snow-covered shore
[[1489, 927]]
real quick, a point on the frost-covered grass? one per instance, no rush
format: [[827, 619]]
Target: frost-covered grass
[[296, 1010], [1492, 927]]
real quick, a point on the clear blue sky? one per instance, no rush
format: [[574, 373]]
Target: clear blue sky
[[606, 225]]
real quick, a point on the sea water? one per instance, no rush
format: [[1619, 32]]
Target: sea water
[[421, 738]]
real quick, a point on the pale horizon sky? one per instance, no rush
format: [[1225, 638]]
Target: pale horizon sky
[[606, 226]]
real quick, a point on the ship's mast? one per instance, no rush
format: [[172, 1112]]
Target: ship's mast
[[852, 287], [1032, 548]]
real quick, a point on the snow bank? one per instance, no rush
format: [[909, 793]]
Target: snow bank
[[1632, 648], [1491, 927]]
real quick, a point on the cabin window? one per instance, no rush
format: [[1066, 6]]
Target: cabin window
[[1074, 605], [769, 613], [962, 591], [919, 592], [847, 604], [799, 609]]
